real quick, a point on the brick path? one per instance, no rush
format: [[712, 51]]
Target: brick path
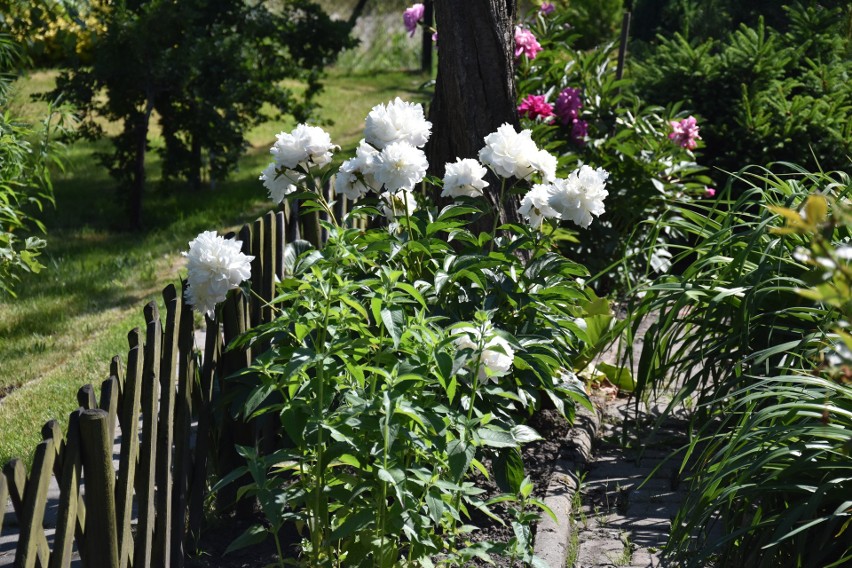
[[625, 520]]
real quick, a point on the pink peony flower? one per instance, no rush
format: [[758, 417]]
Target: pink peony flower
[[525, 43], [535, 106], [685, 132], [411, 17], [568, 105], [547, 8]]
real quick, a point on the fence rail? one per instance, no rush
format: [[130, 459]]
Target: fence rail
[[146, 509]]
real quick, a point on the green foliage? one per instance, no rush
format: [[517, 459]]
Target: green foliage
[[206, 69], [381, 373], [26, 152], [595, 21], [626, 136], [766, 95], [752, 332]]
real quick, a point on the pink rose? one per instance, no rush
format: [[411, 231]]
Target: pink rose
[[525, 43], [411, 17], [535, 106]]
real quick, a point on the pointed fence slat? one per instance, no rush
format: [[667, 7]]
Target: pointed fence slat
[[86, 397], [4, 498], [165, 386], [186, 377], [16, 478], [130, 409], [101, 530], [165, 428], [145, 479], [109, 403], [203, 438], [70, 519], [35, 501]]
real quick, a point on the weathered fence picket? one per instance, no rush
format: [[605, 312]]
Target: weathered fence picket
[[164, 395]]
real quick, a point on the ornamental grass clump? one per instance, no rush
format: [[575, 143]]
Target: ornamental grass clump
[[754, 335], [405, 359]]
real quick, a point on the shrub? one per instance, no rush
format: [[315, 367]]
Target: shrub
[[405, 358], [596, 118], [26, 153], [766, 95]]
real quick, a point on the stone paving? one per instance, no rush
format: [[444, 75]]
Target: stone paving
[[629, 493]]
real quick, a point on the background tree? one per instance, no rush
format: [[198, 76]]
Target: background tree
[[475, 85], [206, 68]]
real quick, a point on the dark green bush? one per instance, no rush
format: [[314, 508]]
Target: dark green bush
[[765, 95]]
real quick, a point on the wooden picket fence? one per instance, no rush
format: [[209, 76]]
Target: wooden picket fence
[[148, 512]]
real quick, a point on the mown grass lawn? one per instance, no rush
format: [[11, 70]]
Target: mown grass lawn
[[71, 319]]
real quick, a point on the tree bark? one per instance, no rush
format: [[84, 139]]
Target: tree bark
[[475, 87], [137, 181], [426, 44]]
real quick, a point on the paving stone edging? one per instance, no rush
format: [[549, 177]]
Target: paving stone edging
[[553, 537]]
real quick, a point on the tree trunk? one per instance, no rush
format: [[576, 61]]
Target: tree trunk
[[475, 87], [195, 163], [426, 44], [137, 181]]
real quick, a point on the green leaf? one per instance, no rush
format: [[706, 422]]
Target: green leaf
[[460, 456], [508, 468], [524, 434], [253, 535], [496, 438], [619, 376], [360, 520], [394, 320]]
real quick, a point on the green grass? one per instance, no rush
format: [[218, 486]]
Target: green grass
[[69, 321]]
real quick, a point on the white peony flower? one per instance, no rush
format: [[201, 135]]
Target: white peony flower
[[398, 203], [544, 163], [305, 145], [464, 177], [280, 181], [535, 205], [496, 357], [400, 166], [215, 266], [399, 121], [347, 182], [355, 178], [580, 196], [510, 153]]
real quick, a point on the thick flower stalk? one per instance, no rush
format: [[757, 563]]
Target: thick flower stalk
[[685, 132], [216, 265]]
